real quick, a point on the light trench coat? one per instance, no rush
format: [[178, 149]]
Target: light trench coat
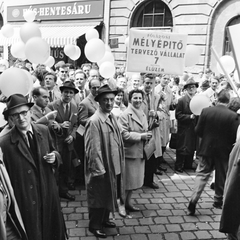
[[99, 136]]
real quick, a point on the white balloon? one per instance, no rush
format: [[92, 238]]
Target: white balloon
[[50, 61], [69, 49], [108, 57], [107, 69], [29, 15], [18, 50], [92, 33], [29, 30], [94, 49], [37, 50], [29, 81], [228, 64], [198, 102], [76, 54], [7, 30], [2, 120]]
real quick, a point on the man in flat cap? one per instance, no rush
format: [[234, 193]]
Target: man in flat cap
[[30, 159], [104, 166]]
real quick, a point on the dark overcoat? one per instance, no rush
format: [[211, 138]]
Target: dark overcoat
[[99, 136], [34, 183], [186, 136], [230, 219]]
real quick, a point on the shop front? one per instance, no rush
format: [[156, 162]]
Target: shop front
[[61, 23]]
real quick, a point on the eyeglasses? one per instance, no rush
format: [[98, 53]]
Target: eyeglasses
[[17, 115], [64, 71], [190, 87]]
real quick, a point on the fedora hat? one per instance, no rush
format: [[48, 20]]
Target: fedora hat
[[103, 90], [68, 85], [190, 82], [14, 101]]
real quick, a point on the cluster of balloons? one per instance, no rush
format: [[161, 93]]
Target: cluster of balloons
[[96, 51], [31, 46], [198, 102]]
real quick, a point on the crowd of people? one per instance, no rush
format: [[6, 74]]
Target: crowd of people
[[110, 135]]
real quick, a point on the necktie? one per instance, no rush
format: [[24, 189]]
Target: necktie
[[50, 96], [148, 101], [31, 144], [67, 112], [43, 111]]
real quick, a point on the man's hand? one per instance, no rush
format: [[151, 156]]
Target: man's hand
[[51, 115], [69, 139]]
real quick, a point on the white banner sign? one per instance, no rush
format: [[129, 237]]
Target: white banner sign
[[153, 51]]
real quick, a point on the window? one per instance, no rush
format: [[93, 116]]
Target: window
[[227, 47], [152, 13]]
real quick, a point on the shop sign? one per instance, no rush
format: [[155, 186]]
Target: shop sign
[[153, 51], [58, 54], [57, 11]]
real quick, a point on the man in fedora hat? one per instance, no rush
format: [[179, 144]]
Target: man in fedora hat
[[186, 121], [30, 157], [104, 163], [67, 119]]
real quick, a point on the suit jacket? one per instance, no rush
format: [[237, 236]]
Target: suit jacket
[[186, 136], [217, 126], [99, 136], [132, 127], [86, 109], [56, 94], [78, 98], [60, 118], [34, 183]]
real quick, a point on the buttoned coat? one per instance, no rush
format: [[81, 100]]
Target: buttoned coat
[[86, 109], [60, 118], [99, 136], [34, 183], [186, 136], [132, 128]]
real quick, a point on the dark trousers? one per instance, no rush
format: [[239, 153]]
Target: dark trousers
[[183, 161], [65, 174], [97, 217], [150, 168]]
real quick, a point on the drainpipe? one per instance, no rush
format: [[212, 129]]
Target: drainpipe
[[106, 20]]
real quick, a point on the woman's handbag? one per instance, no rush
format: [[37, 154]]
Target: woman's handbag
[[149, 148]]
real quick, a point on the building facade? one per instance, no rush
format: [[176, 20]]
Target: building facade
[[205, 22]]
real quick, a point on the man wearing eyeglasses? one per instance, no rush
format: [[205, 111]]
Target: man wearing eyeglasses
[[30, 158]]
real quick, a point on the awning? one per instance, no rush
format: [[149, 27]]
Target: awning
[[57, 35]]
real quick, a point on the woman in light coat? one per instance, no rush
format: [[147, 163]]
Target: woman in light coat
[[135, 133]]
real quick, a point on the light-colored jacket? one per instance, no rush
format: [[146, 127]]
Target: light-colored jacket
[[132, 128]]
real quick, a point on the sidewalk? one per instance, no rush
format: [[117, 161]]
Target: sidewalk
[[163, 212]]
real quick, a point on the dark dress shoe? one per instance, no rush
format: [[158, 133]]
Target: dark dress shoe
[[161, 168], [109, 224], [132, 209], [158, 172], [71, 186], [191, 209], [67, 196], [152, 185], [217, 205], [178, 170], [98, 233]]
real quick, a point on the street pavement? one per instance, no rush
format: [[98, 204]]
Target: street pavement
[[163, 211]]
